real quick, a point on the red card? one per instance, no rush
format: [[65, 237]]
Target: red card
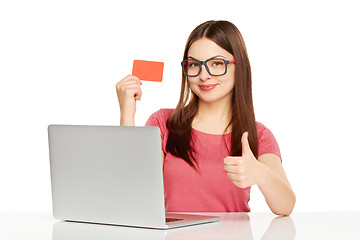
[[148, 70]]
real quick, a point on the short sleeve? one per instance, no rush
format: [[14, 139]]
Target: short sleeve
[[158, 119], [154, 120], [266, 141]]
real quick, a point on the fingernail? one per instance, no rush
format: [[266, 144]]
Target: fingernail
[[140, 83]]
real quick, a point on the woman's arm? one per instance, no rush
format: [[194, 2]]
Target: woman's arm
[[267, 173], [275, 186]]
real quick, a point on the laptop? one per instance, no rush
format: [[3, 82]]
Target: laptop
[[111, 175]]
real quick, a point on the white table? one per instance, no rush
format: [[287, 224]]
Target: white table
[[330, 225]]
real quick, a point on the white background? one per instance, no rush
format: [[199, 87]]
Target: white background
[[60, 61]]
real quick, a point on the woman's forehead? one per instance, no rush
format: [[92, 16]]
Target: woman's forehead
[[205, 48]]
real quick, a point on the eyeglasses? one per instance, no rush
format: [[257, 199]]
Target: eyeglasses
[[214, 66]]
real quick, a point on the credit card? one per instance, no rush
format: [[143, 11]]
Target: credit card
[[148, 70]]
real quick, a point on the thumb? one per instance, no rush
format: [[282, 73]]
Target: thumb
[[138, 95], [245, 144]]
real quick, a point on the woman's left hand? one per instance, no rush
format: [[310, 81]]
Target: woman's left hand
[[246, 170]]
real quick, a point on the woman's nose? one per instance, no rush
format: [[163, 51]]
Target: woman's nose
[[204, 75]]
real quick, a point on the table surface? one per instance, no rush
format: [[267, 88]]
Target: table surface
[[322, 225]]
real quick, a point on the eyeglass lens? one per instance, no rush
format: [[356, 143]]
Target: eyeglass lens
[[215, 67]]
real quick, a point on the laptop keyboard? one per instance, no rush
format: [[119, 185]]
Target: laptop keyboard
[[173, 219]]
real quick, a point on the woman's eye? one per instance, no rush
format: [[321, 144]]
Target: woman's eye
[[217, 63], [193, 65]]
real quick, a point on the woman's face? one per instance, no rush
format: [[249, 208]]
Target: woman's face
[[211, 88]]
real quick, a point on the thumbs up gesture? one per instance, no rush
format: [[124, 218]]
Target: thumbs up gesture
[[246, 170]]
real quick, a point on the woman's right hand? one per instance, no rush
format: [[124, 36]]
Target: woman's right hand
[[128, 91]]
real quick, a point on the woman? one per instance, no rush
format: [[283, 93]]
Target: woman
[[213, 149]]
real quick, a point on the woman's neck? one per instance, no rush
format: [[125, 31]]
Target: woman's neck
[[212, 117]]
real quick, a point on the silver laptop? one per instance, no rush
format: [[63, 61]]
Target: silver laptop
[[111, 175]]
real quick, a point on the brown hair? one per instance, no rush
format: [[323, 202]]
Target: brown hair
[[228, 37]]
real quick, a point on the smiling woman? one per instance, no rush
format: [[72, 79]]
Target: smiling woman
[[235, 111], [213, 148]]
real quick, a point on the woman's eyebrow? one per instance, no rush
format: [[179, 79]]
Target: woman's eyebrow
[[192, 57], [208, 58]]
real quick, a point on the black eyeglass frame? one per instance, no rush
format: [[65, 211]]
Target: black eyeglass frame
[[183, 63]]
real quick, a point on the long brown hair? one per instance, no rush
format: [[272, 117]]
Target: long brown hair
[[179, 124]]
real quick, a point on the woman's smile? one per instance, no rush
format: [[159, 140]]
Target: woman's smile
[[207, 87]]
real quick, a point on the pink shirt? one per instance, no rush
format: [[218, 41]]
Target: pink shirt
[[208, 189]]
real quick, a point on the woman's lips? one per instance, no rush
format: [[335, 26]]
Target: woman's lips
[[207, 87]]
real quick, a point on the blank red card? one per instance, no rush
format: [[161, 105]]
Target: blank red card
[[148, 70]]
